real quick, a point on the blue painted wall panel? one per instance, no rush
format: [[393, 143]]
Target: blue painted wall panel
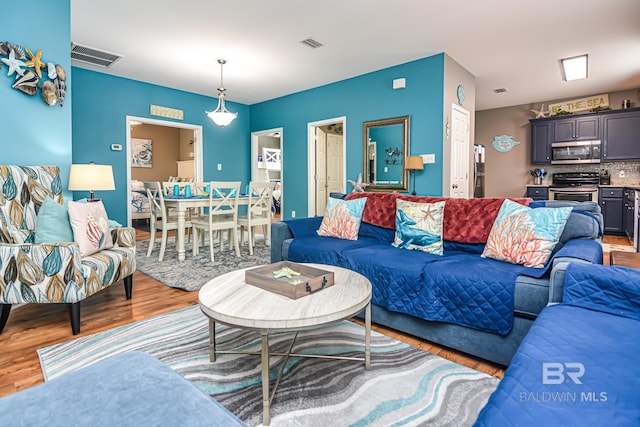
[[360, 99], [101, 104], [34, 133]]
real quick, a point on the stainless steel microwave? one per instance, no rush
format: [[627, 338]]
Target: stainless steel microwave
[[566, 153]]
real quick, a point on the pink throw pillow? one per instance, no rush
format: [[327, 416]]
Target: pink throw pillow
[[90, 227]]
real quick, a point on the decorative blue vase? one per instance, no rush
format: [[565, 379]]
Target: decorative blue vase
[[207, 189], [176, 190], [187, 191]]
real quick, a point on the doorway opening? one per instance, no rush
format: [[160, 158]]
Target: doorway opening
[[155, 151], [267, 163], [326, 161]]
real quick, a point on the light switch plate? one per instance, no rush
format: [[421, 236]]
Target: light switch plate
[[219, 166], [428, 158]]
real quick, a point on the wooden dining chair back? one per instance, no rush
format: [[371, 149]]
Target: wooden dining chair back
[[258, 213], [221, 215], [160, 218]]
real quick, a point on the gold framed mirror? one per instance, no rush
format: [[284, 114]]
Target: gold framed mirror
[[384, 153]]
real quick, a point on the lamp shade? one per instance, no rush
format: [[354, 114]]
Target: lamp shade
[[91, 177], [414, 163]]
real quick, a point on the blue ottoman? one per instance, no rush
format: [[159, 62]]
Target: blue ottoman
[[131, 389]]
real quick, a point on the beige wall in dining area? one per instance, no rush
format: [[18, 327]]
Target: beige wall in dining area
[[166, 151]]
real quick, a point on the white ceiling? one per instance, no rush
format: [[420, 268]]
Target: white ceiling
[[512, 44]]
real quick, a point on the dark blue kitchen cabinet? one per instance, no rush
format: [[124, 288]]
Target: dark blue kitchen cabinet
[[538, 192], [540, 142], [621, 135], [611, 200], [576, 129]]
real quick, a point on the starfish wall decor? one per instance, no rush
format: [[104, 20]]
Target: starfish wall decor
[[541, 113], [28, 75]]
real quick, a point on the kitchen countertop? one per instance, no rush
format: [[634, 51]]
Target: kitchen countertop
[[633, 186]]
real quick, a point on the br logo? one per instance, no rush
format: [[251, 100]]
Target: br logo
[[558, 373]]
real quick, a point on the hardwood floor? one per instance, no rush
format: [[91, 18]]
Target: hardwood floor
[[39, 325]]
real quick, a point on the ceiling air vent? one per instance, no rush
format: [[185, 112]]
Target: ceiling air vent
[[93, 56], [314, 44]]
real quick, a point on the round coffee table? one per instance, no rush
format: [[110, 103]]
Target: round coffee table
[[227, 299]]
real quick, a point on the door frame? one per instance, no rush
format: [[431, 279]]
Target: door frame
[[254, 156], [311, 158], [197, 149], [458, 109]]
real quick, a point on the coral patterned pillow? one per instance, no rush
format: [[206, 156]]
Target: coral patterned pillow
[[90, 227], [419, 226], [342, 218], [522, 235]]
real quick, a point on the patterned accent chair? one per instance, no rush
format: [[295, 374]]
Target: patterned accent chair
[[51, 272]]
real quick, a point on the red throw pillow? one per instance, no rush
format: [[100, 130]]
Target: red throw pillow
[[465, 220]]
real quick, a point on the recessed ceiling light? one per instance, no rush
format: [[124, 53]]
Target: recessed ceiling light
[[500, 90], [574, 68]]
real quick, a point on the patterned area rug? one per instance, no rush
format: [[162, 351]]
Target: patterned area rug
[[192, 273], [405, 386]]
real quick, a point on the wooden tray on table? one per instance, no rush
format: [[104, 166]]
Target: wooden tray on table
[[308, 281]]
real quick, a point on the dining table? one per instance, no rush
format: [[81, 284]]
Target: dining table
[[182, 204]]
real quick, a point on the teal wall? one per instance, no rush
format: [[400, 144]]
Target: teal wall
[[359, 99], [101, 103], [34, 133]]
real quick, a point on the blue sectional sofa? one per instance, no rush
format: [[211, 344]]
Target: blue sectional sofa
[[579, 365], [460, 300]]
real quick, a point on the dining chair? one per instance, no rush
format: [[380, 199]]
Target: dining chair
[[258, 213], [221, 214], [161, 218], [168, 187]]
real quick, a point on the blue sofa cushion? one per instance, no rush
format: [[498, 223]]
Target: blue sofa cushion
[[585, 221], [390, 269], [383, 234], [132, 389], [605, 347], [325, 250], [614, 290], [433, 287]]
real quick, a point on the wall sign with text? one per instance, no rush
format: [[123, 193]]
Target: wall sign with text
[[582, 104]]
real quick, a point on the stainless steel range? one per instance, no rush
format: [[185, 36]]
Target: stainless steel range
[[575, 186]]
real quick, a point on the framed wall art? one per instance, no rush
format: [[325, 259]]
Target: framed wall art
[[141, 153]]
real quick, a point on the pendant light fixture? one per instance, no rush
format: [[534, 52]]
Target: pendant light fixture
[[221, 116]]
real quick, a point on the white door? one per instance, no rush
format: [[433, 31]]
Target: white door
[[335, 177], [321, 171], [459, 152]]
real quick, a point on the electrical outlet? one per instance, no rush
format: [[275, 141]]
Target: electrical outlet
[[219, 166], [293, 214], [621, 174]]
